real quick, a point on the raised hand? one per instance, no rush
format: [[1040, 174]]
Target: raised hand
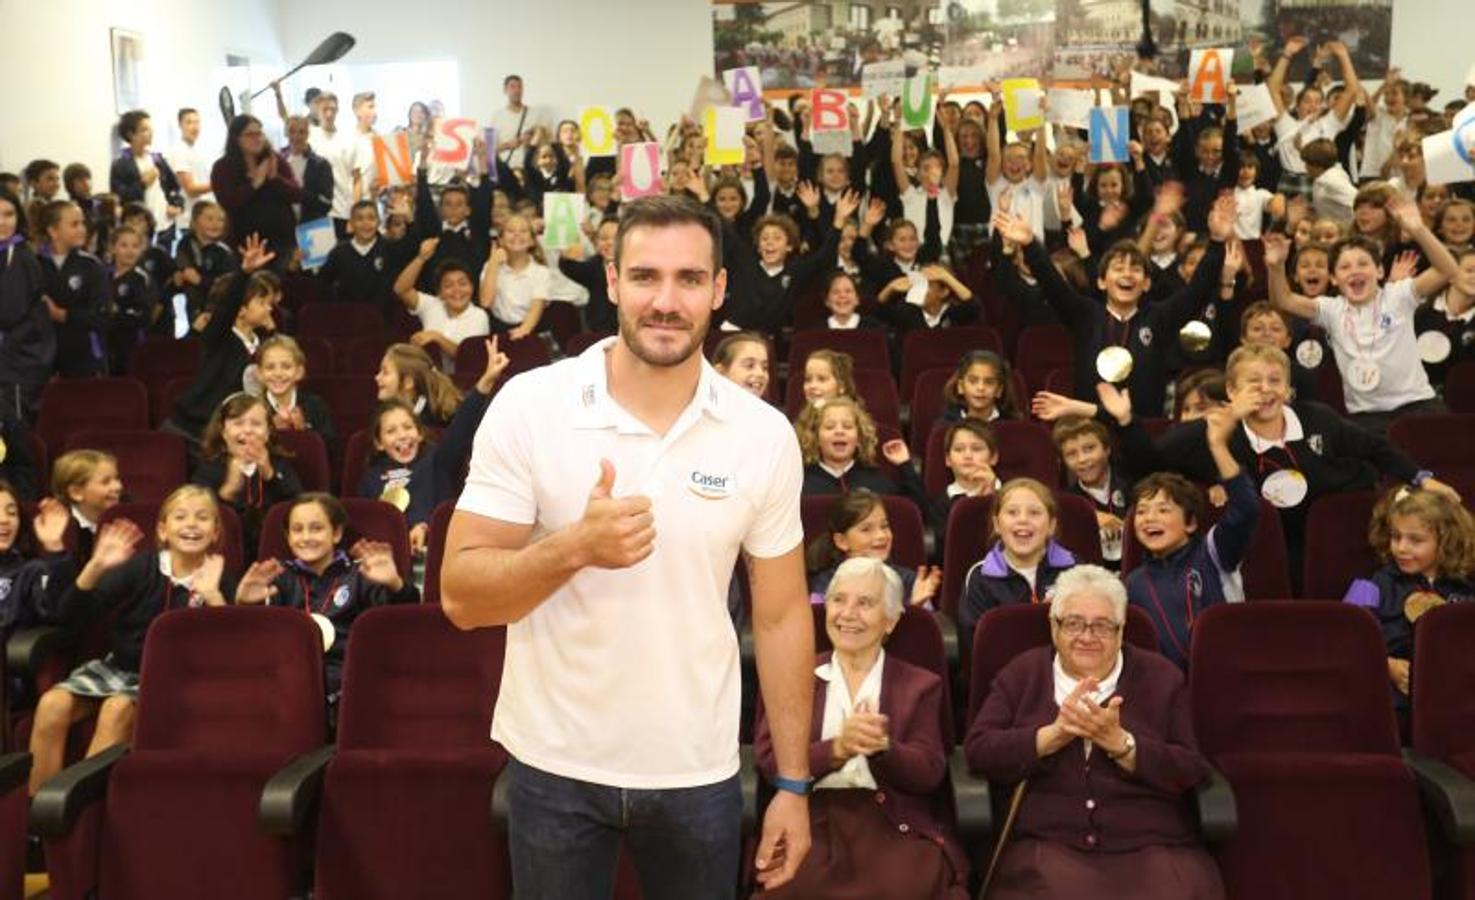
[[1116, 402], [376, 563], [427, 247], [497, 363], [808, 194], [1405, 265], [896, 452], [116, 542], [1076, 238], [1169, 199], [616, 533], [50, 525], [1405, 212], [1234, 260], [924, 588], [1112, 216], [254, 253], [1277, 248], [1295, 45], [1048, 406], [1013, 228], [256, 585], [206, 581], [875, 212], [845, 207]]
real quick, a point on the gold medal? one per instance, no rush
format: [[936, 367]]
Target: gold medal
[[1195, 336], [1114, 364], [397, 496], [2, 450], [1420, 602]]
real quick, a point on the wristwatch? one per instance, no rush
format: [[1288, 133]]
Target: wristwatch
[[798, 786], [1128, 745]]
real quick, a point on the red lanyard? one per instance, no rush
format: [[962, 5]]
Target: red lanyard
[[307, 595], [1188, 613], [169, 594], [1286, 449]]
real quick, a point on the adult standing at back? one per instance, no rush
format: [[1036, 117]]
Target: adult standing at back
[[516, 124], [340, 148], [191, 166], [257, 189], [620, 699]]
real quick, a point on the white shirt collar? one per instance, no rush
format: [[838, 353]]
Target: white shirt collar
[[957, 490], [248, 338], [166, 568], [271, 401], [82, 521], [834, 472], [364, 249], [1293, 432], [933, 320], [836, 325], [856, 773], [1064, 684], [597, 409]]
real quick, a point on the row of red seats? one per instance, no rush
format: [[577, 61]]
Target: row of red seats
[[1311, 798]]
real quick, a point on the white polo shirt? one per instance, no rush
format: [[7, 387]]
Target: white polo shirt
[[1291, 134], [630, 677], [518, 288], [472, 322], [1380, 331]]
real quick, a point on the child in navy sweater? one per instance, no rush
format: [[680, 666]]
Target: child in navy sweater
[[332, 586], [75, 285], [404, 469], [1427, 543], [184, 572], [202, 258], [135, 297], [243, 465], [359, 268], [281, 366], [1023, 563], [31, 584], [857, 526], [27, 339], [838, 444], [1185, 573], [87, 483]]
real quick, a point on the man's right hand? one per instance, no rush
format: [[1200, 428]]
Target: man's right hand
[[615, 533]]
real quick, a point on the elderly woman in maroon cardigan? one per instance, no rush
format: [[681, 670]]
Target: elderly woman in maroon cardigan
[[1102, 735], [877, 754]]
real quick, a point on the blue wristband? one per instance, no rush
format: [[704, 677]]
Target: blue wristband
[[798, 786]]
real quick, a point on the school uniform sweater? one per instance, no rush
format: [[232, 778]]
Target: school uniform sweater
[[212, 261], [819, 483], [138, 592], [79, 284], [1202, 188], [1173, 589], [160, 267], [27, 336], [435, 472], [223, 363], [31, 589], [758, 300], [600, 314], [992, 582], [1385, 593], [470, 242], [904, 318], [18, 467], [342, 594], [1460, 331], [315, 414], [1146, 334], [135, 302], [350, 275], [257, 494]]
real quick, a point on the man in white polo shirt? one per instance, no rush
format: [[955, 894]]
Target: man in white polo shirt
[[620, 694]]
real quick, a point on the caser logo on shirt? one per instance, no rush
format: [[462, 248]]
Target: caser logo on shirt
[[711, 487]]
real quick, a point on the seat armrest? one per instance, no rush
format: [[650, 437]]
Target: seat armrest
[[1218, 815], [27, 649], [950, 648], [500, 802], [55, 808], [972, 799], [15, 770], [748, 782], [1448, 793], [291, 795]]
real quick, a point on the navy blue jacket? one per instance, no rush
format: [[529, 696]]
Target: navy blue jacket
[[992, 583], [1388, 589], [435, 472], [124, 180], [1175, 588], [27, 337], [80, 286], [31, 589]]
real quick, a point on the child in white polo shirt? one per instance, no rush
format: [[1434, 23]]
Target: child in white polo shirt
[[1371, 325], [448, 317], [515, 282]]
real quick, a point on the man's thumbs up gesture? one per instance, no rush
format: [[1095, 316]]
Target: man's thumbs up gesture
[[616, 533]]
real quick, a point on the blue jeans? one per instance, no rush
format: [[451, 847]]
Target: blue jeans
[[564, 837]]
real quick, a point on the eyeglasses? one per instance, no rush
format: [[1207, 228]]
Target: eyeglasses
[[1075, 626]]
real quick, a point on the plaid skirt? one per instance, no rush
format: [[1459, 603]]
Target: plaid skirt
[[100, 679]]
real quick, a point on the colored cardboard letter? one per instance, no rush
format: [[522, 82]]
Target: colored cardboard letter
[[562, 214], [746, 87], [916, 101], [489, 139], [1111, 131], [640, 171], [827, 110], [1022, 104], [597, 131], [1208, 80], [392, 161], [453, 141], [724, 128], [316, 240]]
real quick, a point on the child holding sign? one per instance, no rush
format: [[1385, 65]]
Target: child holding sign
[[1370, 325], [1312, 119], [928, 201], [1017, 169], [515, 282], [462, 221]]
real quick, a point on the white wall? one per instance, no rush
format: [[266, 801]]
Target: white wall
[[647, 54], [58, 57], [1431, 42]]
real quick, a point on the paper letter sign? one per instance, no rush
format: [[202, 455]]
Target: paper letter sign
[[1070, 107], [489, 138], [746, 87], [562, 214], [1208, 74], [316, 240], [916, 101], [724, 128], [1111, 129], [827, 110], [826, 142], [1449, 156], [640, 171], [392, 159], [879, 78], [1022, 104], [597, 131], [453, 139], [1253, 106]]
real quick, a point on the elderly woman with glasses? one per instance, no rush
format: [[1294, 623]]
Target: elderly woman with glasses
[[1102, 738], [877, 755]]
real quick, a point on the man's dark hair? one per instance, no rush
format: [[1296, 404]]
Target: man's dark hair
[[184, 111], [509, 79], [129, 122], [665, 211], [449, 265]]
